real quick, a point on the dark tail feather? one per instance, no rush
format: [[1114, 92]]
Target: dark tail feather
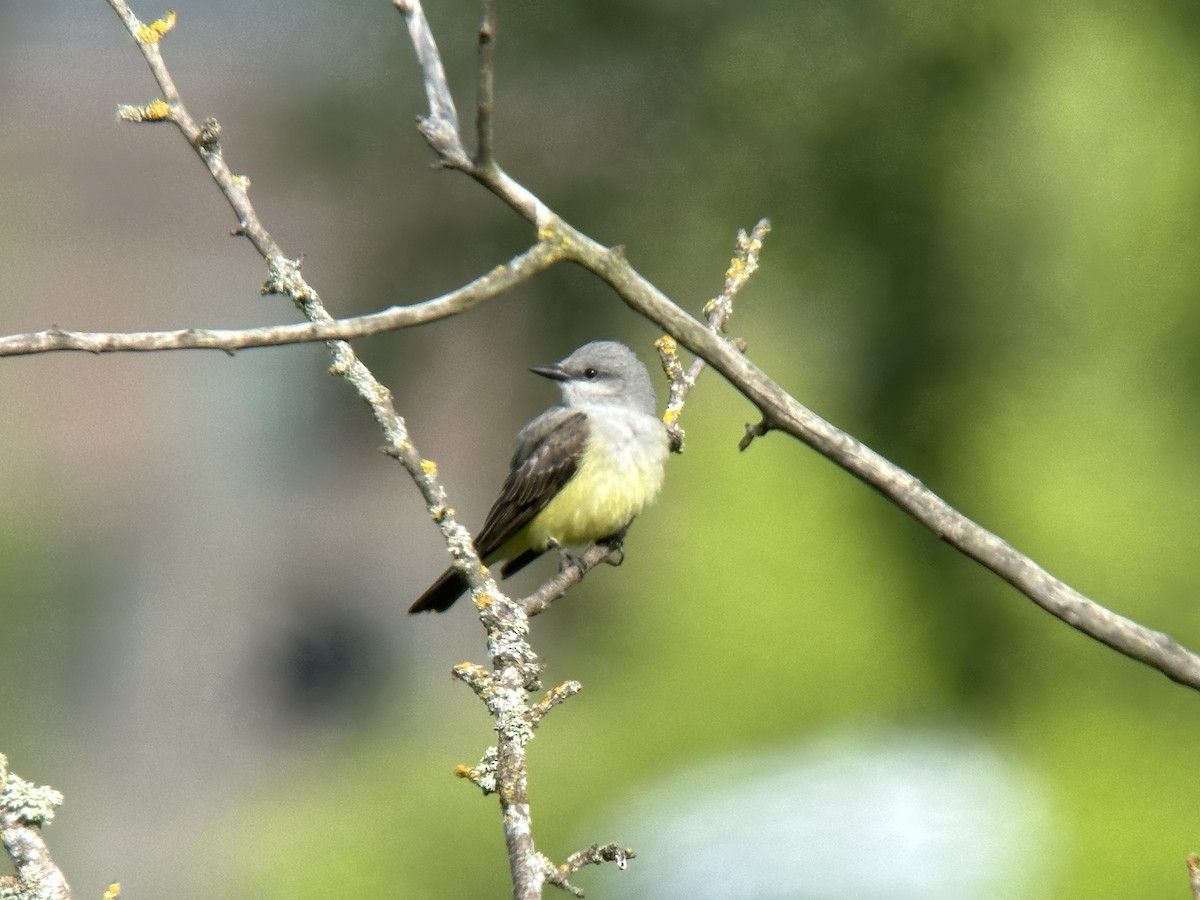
[[441, 594], [517, 563]]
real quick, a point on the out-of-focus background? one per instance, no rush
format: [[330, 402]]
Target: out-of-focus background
[[983, 264]]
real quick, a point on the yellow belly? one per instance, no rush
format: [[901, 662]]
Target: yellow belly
[[602, 498]]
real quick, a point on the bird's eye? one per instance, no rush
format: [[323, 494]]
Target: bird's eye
[[590, 373]]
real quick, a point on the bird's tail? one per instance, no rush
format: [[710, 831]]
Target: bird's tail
[[441, 594]]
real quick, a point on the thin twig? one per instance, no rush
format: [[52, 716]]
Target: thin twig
[[554, 697], [445, 141], [486, 100], [717, 312], [568, 576], [595, 855], [538, 258], [440, 127]]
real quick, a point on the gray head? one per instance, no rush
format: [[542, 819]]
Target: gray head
[[603, 372]]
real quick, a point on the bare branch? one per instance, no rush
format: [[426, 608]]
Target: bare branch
[[553, 698], [595, 855], [755, 430], [717, 311], [203, 139], [24, 810], [569, 575], [783, 412], [486, 100], [440, 127], [483, 775], [450, 148], [505, 692], [537, 258]]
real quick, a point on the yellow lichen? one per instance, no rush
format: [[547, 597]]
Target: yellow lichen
[[429, 467], [156, 30], [158, 111]]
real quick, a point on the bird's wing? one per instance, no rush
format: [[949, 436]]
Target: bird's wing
[[548, 453]]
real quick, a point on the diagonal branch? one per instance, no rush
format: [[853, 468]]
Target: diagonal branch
[[781, 411], [571, 574], [284, 277]]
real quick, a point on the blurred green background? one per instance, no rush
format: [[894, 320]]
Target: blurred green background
[[982, 265]]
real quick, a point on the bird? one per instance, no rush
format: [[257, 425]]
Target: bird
[[582, 470]]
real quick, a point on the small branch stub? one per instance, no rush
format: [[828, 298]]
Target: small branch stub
[[553, 698], [757, 430], [157, 111], [483, 775], [208, 138]]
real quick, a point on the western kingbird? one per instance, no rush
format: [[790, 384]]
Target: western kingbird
[[581, 470]]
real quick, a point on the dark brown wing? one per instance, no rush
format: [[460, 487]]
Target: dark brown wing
[[548, 451], [547, 456]]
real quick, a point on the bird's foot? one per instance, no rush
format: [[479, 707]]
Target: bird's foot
[[616, 549], [566, 559]]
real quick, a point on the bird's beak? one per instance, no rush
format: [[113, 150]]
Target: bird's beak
[[554, 371]]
